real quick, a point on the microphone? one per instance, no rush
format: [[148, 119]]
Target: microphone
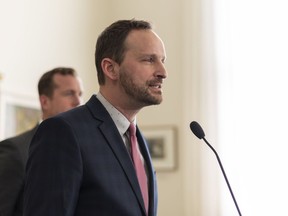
[[198, 132]]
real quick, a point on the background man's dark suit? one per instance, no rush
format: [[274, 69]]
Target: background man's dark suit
[[13, 158], [80, 166]]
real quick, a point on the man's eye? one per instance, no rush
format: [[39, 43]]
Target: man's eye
[[149, 60], [69, 93]]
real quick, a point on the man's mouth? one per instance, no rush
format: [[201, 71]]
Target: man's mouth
[[157, 86]]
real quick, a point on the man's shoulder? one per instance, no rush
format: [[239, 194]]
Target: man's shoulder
[[92, 106], [22, 139]]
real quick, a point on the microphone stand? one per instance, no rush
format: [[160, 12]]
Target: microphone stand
[[226, 179]]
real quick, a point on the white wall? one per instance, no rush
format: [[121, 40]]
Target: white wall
[[39, 35]]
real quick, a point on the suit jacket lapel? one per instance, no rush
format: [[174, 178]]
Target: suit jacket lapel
[[115, 141]]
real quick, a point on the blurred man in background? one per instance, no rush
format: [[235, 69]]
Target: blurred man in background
[[59, 90]]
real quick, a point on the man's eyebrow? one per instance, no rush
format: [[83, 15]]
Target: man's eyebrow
[[152, 55]]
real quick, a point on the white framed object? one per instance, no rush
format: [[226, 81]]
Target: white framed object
[[18, 113], [162, 146]]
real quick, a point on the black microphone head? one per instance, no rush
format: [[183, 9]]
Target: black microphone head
[[197, 130]]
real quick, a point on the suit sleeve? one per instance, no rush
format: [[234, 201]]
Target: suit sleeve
[[11, 176], [54, 171]]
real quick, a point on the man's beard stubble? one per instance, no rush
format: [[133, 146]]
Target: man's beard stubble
[[139, 93]]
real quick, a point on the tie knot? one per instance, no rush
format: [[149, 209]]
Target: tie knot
[[132, 129]]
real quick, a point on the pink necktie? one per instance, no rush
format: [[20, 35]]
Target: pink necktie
[[139, 165]]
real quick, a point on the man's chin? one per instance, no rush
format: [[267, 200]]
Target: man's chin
[[154, 101]]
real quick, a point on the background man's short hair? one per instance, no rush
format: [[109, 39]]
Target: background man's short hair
[[46, 83]]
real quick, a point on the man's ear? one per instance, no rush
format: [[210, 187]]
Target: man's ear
[[44, 101], [110, 68]]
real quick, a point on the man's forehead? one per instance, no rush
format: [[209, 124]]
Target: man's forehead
[[146, 42]]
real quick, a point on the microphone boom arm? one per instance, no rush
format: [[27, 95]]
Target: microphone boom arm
[[224, 174]]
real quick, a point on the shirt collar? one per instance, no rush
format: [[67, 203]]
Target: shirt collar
[[121, 122]]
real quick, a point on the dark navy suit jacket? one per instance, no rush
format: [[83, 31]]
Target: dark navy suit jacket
[[79, 166], [13, 158]]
